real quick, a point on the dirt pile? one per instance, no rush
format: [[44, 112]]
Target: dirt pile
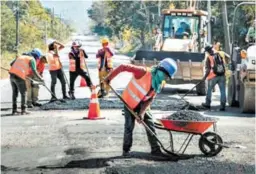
[[189, 116]]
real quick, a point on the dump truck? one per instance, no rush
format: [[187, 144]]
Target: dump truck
[[187, 51], [241, 83]]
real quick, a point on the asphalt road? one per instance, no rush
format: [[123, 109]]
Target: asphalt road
[[60, 141]]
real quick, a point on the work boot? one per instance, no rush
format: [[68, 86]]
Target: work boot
[[24, 111], [30, 106], [37, 104], [206, 105], [53, 99], [65, 97], [14, 110], [71, 94], [222, 107], [162, 156], [126, 153]]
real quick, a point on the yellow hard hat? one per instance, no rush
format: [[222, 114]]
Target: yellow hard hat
[[105, 40]]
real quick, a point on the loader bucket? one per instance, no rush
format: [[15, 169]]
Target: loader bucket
[[160, 55]]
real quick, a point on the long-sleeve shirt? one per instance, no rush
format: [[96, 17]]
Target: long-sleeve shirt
[[101, 55], [138, 72]]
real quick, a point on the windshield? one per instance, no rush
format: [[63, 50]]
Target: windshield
[[180, 27], [244, 25]]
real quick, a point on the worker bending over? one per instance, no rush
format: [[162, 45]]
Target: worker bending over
[[138, 96], [18, 73]]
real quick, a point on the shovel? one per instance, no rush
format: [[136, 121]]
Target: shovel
[[144, 124]]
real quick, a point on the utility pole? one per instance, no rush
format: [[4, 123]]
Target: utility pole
[[209, 22], [225, 26], [52, 22], [17, 28], [159, 7]]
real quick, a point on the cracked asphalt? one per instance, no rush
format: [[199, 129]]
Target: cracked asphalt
[[56, 139]]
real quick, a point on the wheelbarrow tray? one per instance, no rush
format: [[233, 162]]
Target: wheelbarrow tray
[[193, 127]]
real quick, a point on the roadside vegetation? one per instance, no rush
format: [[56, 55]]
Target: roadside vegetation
[[130, 23], [36, 24]]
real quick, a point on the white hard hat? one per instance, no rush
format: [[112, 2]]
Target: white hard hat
[[50, 41]]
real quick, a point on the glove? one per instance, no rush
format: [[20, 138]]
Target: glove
[[107, 81]]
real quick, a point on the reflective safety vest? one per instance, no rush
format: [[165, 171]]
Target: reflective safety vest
[[138, 90], [54, 61], [108, 61], [72, 62], [211, 75], [21, 66]]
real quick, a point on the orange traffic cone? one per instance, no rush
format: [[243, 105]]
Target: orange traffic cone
[[94, 108], [82, 82]]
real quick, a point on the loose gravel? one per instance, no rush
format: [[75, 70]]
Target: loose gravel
[[189, 116]]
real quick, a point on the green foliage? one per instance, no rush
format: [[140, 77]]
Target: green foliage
[[36, 23], [140, 17]]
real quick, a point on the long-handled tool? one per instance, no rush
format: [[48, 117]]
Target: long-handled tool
[[42, 83], [39, 84], [144, 124], [188, 105]]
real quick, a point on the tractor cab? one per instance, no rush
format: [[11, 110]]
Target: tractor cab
[[184, 30]]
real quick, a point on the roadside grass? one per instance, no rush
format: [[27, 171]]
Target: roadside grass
[[6, 58]]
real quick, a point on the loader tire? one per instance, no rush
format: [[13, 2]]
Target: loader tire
[[232, 92], [201, 89]]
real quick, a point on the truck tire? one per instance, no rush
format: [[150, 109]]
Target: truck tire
[[232, 92], [247, 98], [201, 89]]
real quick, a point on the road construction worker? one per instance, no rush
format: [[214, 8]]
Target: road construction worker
[[77, 66], [55, 68], [105, 66], [138, 96], [215, 74], [158, 40], [33, 88], [18, 73]]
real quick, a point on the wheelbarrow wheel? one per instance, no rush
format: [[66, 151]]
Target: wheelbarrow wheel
[[210, 143]]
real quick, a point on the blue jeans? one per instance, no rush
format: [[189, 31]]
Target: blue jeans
[[221, 81]]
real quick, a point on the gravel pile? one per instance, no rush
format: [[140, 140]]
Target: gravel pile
[[189, 116]]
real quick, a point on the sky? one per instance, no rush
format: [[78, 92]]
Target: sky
[[75, 11]]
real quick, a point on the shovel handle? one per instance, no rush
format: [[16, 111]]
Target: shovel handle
[[144, 124]]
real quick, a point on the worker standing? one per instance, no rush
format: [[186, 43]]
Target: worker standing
[[76, 67], [158, 40], [105, 66], [215, 74], [55, 68], [18, 73], [138, 96], [33, 88]]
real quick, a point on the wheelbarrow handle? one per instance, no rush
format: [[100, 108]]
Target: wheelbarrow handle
[[144, 124]]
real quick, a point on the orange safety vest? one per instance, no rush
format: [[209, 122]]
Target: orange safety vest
[[21, 67], [109, 58], [72, 62], [54, 61], [138, 90], [211, 75]]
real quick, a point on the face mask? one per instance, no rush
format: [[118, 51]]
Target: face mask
[[158, 80]]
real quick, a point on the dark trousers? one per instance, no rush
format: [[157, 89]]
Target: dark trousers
[[58, 74], [73, 76], [129, 126], [18, 85]]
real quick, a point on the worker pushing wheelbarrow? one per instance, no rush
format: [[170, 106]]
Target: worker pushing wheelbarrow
[[137, 98]]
